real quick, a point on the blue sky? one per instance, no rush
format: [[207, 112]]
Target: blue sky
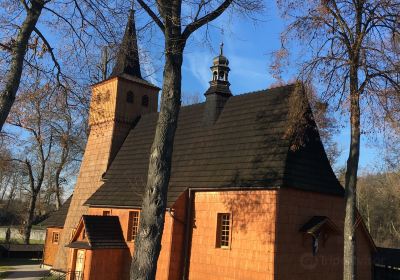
[[248, 46]]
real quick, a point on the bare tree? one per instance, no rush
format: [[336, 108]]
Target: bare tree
[[31, 116], [52, 144], [176, 29], [352, 53], [18, 50], [76, 25]]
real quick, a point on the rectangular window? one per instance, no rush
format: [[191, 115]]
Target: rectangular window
[[106, 213], [55, 237], [133, 225], [223, 230]]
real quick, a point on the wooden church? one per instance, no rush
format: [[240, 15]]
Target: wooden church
[[242, 203]]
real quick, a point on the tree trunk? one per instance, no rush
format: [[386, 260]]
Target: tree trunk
[[19, 48], [349, 256], [57, 183], [58, 197], [148, 240], [29, 220]]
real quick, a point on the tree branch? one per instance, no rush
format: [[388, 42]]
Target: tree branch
[[152, 15], [204, 20], [57, 65]]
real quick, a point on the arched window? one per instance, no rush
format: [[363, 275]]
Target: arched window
[[145, 101], [215, 74], [129, 97], [221, 75]]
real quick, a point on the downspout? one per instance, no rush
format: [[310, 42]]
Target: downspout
[[187, 235]]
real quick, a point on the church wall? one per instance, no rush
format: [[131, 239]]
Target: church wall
[[176, 257], [129, 111], [250, 254], [169, 264], [107, 264], [94, 164], [294, 257], [50, 248]]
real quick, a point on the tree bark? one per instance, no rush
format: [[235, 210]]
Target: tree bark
[[29, 220], [148, 241], [63, 158], [19, 48], [151, 226], [349, 254]]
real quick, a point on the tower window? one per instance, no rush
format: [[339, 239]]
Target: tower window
[[223, 230], [145, 101], [221, 75], [215, 75], [55, 237], [133, 225], [129, 97]]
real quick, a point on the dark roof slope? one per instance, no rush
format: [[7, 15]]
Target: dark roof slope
[[103, 232], [57, 218], [387, 257], [246, 147]]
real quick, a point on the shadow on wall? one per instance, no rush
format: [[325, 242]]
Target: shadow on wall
[[254, 210]]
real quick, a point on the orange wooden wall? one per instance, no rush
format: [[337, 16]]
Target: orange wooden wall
[[265, 238], [294, 258], [50, 248], [170, 260], [251, 254]]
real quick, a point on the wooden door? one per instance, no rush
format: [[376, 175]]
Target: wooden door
[[79, 265]]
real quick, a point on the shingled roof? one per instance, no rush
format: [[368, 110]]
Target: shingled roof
[[102, 232], [246, 147], [57, 218]]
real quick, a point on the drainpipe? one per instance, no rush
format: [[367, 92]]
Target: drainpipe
[[187, 235]]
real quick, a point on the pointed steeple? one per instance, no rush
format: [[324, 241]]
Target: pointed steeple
[[127, 60]]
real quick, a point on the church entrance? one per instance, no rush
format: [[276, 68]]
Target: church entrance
[[79, 265]]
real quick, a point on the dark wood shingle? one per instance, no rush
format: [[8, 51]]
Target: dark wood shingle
[[245, 147]]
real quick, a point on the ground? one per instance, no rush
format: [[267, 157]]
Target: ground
[[25, 269]]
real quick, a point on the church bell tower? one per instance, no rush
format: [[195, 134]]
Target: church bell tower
[[116, 105]]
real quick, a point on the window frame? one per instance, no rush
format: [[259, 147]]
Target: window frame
[[220, 242], [133, 225], [53, 235], [145, 101], [130, 97]]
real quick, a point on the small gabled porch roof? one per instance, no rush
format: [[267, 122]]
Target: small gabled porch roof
[[101, 232]]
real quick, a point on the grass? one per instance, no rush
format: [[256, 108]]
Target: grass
[[51, 277], [4, 269], [10, 262], [3, 274]]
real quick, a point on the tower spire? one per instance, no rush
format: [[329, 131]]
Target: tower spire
[[127, 60], [218, 93]]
